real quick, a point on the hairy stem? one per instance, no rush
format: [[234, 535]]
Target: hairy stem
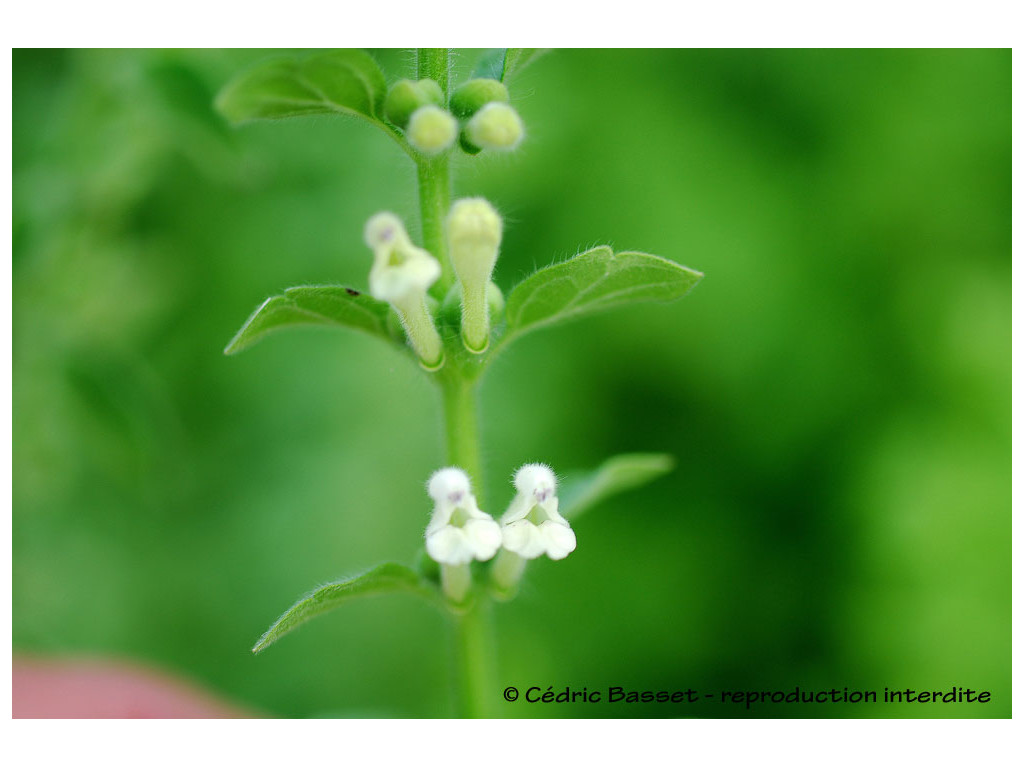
[[434, 63], [462, 435], [473, 635], [435, 199], [474, 646], [434, 175]]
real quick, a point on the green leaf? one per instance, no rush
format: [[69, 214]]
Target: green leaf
[[346, 81], [616, 475], [330, 305], [592, 281], [518, 59], [389, 577], [490, 64]]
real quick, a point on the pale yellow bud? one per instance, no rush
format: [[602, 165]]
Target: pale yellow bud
[[495, 126], [432, 129]]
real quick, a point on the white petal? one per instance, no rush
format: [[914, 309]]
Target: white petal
[[417, 271], [449, 545], [483, 537], [440, 519], [559, 540], [550, 507], [450, 485], [518, 509], [523, 538], [537, 480], [384, 229], [473, 511]]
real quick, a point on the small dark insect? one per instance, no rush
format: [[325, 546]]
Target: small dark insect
[[351, 291]]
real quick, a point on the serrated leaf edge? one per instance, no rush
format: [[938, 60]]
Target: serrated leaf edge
[[315, 319], [413, 585], [514, 332]]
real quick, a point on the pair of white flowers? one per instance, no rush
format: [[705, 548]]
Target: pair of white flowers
[[402, 274], [460, 532]]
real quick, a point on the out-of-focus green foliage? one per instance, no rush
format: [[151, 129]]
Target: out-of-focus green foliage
[[345, 81], [836, 393]]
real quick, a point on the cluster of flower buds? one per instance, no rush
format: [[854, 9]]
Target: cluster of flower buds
[[403, 273], [460, 532], [480, 106], [491, 122]]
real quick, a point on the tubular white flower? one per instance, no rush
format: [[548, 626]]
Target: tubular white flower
[[458, 532], [401, 275], [532, 526], [474, 235]]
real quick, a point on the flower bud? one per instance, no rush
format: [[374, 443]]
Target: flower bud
[[401, 275], [469, 97], [432, 130], [474, 234], [495, 126], [406, 96]]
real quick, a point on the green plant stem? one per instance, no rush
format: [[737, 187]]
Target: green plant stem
[[434, 174], [474, 647], [461, 426], [434, 177], [473, 634], [434, 63]]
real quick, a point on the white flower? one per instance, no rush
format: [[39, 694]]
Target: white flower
[[400, 269], [401, 275], [458, 531], [532, 526]]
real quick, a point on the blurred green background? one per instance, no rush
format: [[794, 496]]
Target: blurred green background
[[837, 390]]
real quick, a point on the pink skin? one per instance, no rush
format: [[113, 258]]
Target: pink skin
[[108, 688]]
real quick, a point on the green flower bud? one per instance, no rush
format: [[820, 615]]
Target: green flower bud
[[495, 126], [467, 146], [431, 90], [474, 234], [432, 130], [469, 97], [406, 96]]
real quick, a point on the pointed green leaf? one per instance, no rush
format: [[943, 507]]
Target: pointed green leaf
[[389, 577], [518, 59], [490, 64], [328, 305], [616, 475], [592, 281], [346, 81]]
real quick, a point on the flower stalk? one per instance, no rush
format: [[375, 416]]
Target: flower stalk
[[474, 645], [433, 174]]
